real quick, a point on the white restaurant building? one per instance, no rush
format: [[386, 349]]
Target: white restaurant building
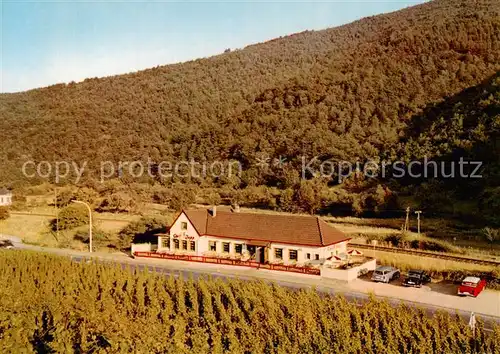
[[265, 238]]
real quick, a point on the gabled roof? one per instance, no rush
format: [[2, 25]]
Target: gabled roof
[[287, 229], [5, 191]]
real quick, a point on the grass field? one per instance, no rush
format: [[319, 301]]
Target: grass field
[[33, 227], [407, 261], [455, 232], [30, 228]]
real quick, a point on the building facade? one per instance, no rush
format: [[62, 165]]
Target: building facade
[[5, 197], [265, 238]]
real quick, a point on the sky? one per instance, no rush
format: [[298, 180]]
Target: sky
[[49, 42]]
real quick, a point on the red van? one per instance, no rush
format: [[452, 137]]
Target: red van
[[471, 286]]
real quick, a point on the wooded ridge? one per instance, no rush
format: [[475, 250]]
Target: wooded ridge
[[418, 82]]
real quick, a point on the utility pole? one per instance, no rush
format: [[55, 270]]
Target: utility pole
[[418, 212], [407, 221], [57, 213], [90, 221]]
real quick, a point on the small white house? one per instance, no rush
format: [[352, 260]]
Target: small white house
[[265, 238], [5, 197]]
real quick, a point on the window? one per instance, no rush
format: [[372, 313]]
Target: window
[[225, 247], [212, 246], [165, 242], [176, 244], [184, 225], [184, 245], [192, 246], [278, 253], [308, 256], [316, 257], [292, 255], [238, 248]]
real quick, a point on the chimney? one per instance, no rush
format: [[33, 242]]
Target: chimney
[[236, 208], [214, 211]]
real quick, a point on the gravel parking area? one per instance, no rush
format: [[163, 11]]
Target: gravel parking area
[[442, 294]]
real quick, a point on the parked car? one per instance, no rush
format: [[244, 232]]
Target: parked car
[[416, 278], [471, 286], [7, 244], [385, 274]]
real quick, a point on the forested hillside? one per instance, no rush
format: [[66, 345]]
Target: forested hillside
[[368, 90], [464, 126]]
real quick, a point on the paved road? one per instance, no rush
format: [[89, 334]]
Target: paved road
[[358, 292]]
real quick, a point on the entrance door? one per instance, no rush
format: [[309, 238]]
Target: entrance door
[[251, 250], [262, 255]]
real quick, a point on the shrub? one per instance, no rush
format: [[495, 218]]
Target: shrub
[[19, 202], [405, 240], [70, 217], [491, 235], [182, 197], [4, 213], [66, 195], [308, 195], [433, 246], [395, 239], [142, 231], [100, 238], [177, 197], [285, 200], [214, 198], [117, 203], [40, 189]]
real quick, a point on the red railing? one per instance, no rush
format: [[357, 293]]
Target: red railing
[[228, 261]]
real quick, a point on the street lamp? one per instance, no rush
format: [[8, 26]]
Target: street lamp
[[90, 221]]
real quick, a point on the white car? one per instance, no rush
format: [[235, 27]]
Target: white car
[[385, 274]]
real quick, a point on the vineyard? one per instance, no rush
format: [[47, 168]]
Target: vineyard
[[50, 304]]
